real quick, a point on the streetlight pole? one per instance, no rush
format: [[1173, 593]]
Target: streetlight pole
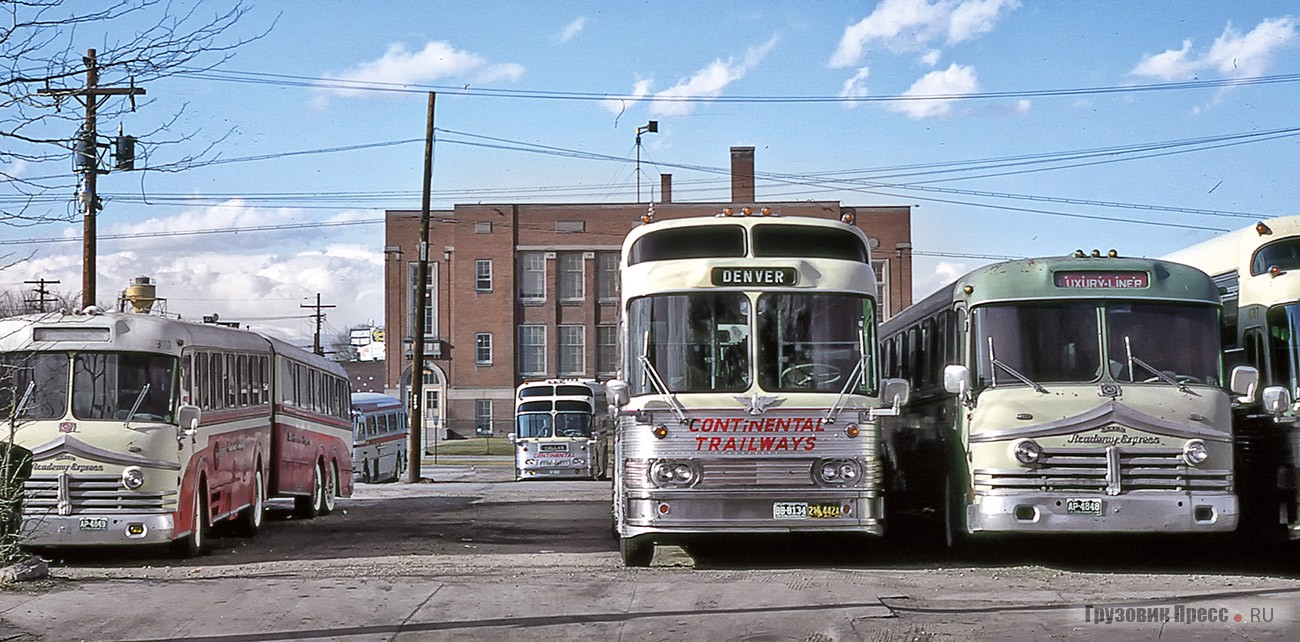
[[651, 127]]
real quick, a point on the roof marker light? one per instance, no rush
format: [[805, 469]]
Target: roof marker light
[[1274, 270], [1112, 254], [1078, 254], [1096, 254], [847, 217], [1262, 229]]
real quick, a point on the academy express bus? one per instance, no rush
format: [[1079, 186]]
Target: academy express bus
[[148, 430], [1078, 394], [562, 429], [750, 394], [1257, 269], [380, 425]]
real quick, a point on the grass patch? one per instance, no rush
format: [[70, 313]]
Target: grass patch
[[475, 446]]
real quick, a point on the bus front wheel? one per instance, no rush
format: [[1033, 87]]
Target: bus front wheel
[[636, 551]]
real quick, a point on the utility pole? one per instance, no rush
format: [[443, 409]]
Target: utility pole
[[414, 452], [42, 295], [651, 127], [320, 318], [86, 162]]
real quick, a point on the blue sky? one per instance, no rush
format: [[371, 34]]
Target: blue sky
[[1014, 128]]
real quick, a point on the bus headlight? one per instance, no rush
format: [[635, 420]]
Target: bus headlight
[[837, 472], [1027, 451], [670, 473], [133, 478], [1195, 453]]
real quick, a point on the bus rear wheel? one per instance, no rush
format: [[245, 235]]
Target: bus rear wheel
[[250, 521], [636, 551], [309, 506], [329, 491]]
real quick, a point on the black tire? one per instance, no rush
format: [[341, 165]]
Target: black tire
[[954, 525], [400, 467], [193, 544], [636, 551], [309, 506], [365, 472], [250, 520], [329, 491]]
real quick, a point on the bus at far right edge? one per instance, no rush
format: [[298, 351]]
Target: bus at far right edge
[[1257, 271]]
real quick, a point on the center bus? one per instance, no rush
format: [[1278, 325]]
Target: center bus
[[1079, 394], [149, 430], [562, 429], [750, 396], [1257, 269], [380, 424]]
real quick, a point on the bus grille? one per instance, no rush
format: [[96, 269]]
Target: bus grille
[[90, 495], [748, 473], [1111, 471]]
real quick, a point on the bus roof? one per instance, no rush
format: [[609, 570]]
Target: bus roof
[[370, 401], [1232, 251]]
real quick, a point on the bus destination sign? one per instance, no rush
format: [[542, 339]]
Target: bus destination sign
[[1102, 280], [755, 276]]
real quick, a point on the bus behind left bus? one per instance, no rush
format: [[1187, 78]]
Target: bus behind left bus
[[149, 430]]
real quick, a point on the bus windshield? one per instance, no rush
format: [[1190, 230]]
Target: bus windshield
[[107, 385], [533, 425], [1044, 342], [810, 342], [573, 424], [1283, 254], [48, 371], [1284, 345], [1179, 340], [695, 342]]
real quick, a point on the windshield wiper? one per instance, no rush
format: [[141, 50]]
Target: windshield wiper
[[657, 381], [22, 403], [139, 399], [1011, 371], [859, 371], [1128, 353]]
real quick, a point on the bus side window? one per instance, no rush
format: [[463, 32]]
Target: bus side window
[[1254, 347]]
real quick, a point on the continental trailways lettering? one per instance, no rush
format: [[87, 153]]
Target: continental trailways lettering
[[795, 437]]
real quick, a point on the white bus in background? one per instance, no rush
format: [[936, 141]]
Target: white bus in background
[[150, 430], [380, 424], [1257, 270], [562, 429], [750, 398]]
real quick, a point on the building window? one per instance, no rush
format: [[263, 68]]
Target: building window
[[569, 227], [483, 416], [483, 348], [606, 350], [430, 300], [532, 350], [882, 287], [573, 350], [482, 227], [483, 275], [607, 276], [571, 276], [532, 277]]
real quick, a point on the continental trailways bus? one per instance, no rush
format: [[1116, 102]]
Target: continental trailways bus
[[750, 395], [562, 429], [1079, 394], [148, 430], [1257, 269]]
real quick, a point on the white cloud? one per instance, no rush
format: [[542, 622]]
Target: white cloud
[[639, 90], [910, 25], [17, 169], [947, 271], [956, 79], [436, 61], [931, 57], [1232, 54], [571, 30], [855, 87], [261, 277], [707, 82]]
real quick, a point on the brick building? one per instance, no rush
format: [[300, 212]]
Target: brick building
[[527, 291]]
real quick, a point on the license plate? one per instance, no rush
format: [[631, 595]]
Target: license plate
[[94, 523], [1083, 507], [825, 511], [551, 448], [790, 510]]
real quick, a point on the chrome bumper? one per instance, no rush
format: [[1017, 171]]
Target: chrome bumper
[[695, 512], [46, 529], [1047, 512]]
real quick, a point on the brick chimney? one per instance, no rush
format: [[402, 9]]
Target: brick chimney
[[742, 174], [665, 188]]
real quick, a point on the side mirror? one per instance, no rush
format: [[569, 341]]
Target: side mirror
[[895, 392], [956, 379], [616, 392], [189, 417], [1276, 400], [1243, 382], [511, 437]]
